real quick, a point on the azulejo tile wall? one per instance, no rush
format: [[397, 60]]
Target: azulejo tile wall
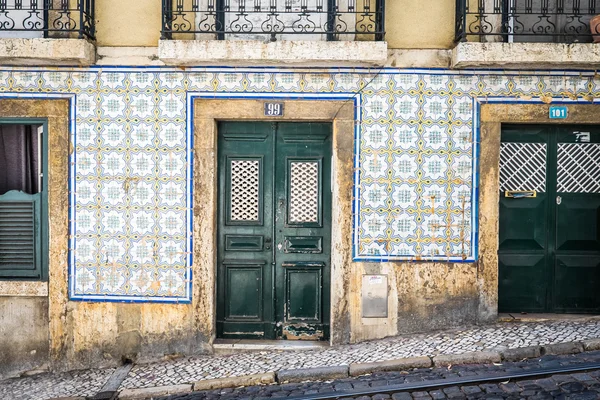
[[416, 161]]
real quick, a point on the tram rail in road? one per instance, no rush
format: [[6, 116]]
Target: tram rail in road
[[461, 381]]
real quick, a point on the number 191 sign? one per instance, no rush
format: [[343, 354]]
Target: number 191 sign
[[273, 109]]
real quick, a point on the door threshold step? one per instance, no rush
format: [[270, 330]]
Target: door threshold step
[[546, 317], [241, 345]]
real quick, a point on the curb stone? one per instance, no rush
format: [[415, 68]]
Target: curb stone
[[312, 374], [562, 348], [390, 365], [344, 371], [520, 353], [475, 357], [138, 394], [245, 380], [591, 344], [110, 395], [69, 398]]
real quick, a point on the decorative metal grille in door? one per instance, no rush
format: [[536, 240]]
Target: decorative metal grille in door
[[523, 167], [304, 192], [578, 168], [245, 188]]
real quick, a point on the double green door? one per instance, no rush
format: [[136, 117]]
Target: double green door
[[273, 273], [549, 247]]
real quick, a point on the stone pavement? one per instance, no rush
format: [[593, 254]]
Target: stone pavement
[[581, 385], [187, 370]]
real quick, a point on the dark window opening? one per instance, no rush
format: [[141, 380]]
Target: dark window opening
[[22, 202], [20, 159]]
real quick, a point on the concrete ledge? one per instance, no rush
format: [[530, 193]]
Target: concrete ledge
[[47, 51], [312, 374], [562, 348], [521, 353], [135, 56], [591, 344], [526, 55], [146, 393], [391, 365], [234, 381], [252, 52], [419, 58], [476, 357], [23, 288]]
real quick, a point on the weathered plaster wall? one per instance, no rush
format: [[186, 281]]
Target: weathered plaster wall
[[23, 334]]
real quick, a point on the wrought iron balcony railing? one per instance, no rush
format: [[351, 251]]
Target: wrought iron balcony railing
[[47, 18], [560, 21], [273, 19]]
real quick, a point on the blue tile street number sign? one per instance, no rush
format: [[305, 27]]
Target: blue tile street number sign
[[558, 112], [273, 109]]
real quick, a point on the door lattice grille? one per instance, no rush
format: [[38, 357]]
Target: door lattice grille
[[304, 192], [523, 166], [578, 168], [245, 188]]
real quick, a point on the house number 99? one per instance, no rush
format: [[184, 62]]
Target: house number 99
[[274, 109]]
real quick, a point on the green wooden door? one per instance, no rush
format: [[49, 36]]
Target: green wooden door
[[273, 273], [549, 245]]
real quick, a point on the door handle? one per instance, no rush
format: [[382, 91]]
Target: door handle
[[558, 200], [268, 242]]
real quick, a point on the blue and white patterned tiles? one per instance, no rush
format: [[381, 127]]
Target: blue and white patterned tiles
[[415, 158]]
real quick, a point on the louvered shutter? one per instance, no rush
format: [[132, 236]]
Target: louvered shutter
[[20, 235]]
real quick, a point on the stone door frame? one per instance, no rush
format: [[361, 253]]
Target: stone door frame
[[491, 117], [206, 114]]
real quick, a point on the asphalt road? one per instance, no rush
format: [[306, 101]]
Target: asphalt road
[[575, 386]]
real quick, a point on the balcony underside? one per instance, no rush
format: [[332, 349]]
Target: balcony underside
[[39, 51], [251, 52], [526, 55]]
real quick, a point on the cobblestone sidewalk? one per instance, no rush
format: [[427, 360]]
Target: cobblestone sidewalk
[[499, 336]]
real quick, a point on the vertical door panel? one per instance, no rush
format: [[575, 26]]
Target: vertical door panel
[[524, 223], [303, 193], [522, 282], [245, 231], [577, 214], [523, 267], [303, 294], [244, 292], [577, 284]]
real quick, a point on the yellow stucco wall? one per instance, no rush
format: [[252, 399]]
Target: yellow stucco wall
[[420, 24], [409, 23], [128, 23]]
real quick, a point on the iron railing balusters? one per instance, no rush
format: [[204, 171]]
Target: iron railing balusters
[[321, 19], [562, 21], [51, 18]]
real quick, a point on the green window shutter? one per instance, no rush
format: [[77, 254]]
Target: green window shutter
[[20, 235]]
